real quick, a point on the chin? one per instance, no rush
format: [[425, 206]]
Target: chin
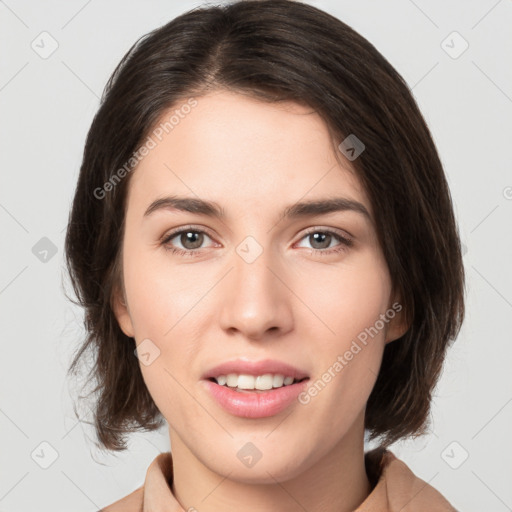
[[263, 465]]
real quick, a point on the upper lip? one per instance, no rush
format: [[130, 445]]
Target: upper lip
[[244, 366]]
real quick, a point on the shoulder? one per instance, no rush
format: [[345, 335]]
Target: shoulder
[[420, 492], [398, 488], [154, 490], [130, 503]]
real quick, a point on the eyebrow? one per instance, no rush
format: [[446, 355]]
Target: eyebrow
[[297, 210]]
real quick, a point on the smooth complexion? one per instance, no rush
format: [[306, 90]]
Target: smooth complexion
[[301, 301]]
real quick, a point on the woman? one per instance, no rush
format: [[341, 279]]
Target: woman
[[262, 219]]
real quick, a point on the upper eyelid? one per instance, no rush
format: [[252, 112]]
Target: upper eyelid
[[336, 231], [175, 232]]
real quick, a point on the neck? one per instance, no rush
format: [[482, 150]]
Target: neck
[[336, 482]]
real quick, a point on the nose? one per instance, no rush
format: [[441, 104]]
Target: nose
[[256, 298]]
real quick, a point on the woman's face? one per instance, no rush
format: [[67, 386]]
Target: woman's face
[[254, 284]]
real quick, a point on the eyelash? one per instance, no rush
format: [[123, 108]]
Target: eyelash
[[344, 242]]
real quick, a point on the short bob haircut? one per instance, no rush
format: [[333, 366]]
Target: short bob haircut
[[278, 50]]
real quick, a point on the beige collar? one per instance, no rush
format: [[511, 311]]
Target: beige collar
[[395, 488]]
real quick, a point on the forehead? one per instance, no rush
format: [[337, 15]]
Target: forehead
[[230, 146]]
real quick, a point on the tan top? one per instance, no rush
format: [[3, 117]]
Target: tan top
[[395, 488]]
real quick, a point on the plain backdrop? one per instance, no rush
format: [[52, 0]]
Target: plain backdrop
[[56, 57]]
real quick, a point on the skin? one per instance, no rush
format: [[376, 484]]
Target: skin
[[291, 304]]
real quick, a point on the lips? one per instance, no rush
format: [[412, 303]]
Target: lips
[[255, 368]]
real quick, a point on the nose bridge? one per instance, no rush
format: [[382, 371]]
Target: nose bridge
[[255, 299]]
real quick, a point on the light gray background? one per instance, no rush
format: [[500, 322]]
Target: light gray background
[[47, 105]]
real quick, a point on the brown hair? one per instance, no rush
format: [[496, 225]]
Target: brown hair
[[276, 50]]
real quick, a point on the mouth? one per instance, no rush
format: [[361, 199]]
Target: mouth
[[255, 389], [254, 403]]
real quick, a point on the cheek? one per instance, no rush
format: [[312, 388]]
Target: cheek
[[346, 299], [349, 302], [158, 297], [163, 306]]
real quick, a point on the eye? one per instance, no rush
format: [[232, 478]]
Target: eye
[[321, 240], [190, 238]]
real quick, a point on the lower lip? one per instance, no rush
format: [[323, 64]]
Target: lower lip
[[255, 405]]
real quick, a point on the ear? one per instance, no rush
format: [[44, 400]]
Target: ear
[[398, 324], [121, 312]]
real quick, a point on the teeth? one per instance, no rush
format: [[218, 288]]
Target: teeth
[[261, 382]]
